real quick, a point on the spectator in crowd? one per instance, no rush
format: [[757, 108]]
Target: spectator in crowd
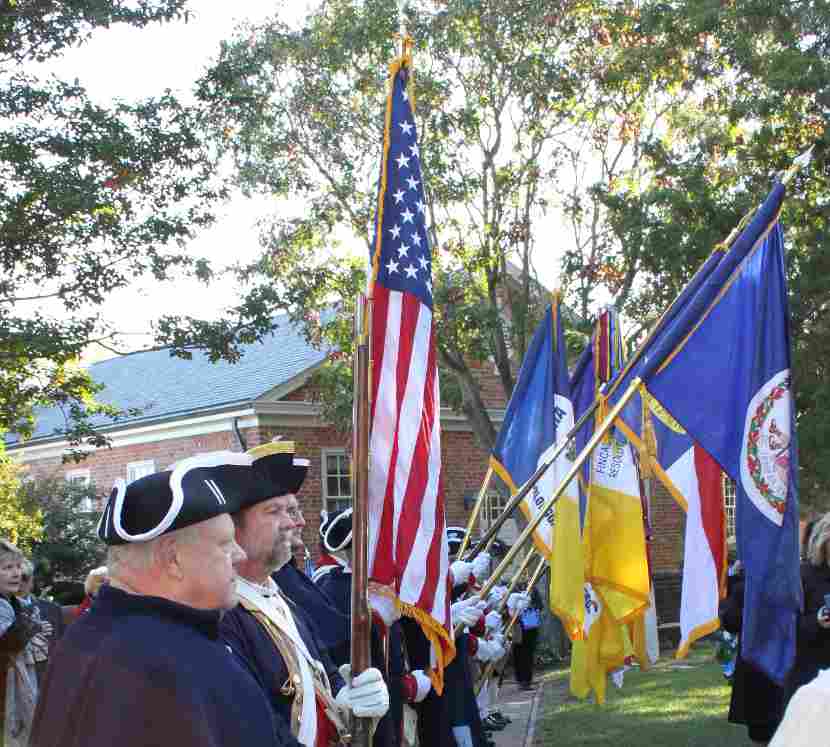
[[812, 651], [524, 641], [18, 679], [756, 701], [47, 615]]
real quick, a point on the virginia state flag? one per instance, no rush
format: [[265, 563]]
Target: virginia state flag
[[538, 416], [722, 370]]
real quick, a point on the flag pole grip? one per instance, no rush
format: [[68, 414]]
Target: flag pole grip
[[459, 629]]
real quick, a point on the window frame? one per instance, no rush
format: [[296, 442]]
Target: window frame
[[338, 501], [730, 497], [76, 475], [142, 463]]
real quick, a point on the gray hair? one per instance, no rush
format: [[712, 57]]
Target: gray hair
[[27, 568], [7, 548], [817, 548]]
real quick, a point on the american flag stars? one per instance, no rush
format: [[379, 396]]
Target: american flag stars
[[405, 259]]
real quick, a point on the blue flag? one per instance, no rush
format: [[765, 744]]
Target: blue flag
[[538, 416], [722, 369]]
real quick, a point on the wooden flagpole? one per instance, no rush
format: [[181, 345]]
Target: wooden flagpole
[[361, 619]]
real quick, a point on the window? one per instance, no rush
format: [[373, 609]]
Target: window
[[81, 478], [78, 477], [337, 481], [729, 505], [140, 469]]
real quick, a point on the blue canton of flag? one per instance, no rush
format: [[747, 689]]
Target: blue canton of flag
[[405, 261]]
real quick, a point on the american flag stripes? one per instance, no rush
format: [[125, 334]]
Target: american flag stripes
[[408, 550]]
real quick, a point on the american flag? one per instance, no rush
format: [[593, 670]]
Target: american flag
[[408, 550]]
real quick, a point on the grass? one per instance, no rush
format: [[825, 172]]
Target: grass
[[669, 705]]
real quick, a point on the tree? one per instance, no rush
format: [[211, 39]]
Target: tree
[[93, 197], [67, 547], [301, 113], [746, 89], [20, 522]]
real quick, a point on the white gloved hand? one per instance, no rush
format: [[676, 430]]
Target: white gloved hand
[[486, 650], [424, 684], [385, 607], [366, 696], [467, 611], [518, 603], [481, 566], [461, 571], [500, 646], [492, 621], [497, 593]]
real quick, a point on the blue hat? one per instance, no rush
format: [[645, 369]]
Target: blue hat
[[194, 490]]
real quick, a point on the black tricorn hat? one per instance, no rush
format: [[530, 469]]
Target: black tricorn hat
[[455, 537], [336, 531], [193, 490], [278, 470]]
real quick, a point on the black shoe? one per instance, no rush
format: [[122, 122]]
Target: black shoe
[[500, 717], [491, 724]]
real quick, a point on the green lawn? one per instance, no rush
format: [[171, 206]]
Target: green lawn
[[668, 705]]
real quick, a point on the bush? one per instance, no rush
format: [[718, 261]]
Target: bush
[[69, 546]]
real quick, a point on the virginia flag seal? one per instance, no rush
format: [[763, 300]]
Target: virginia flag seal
[[765, 456]]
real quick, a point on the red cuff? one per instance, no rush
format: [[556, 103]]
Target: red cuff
[[409, 688], [479, 628], [472, 645]]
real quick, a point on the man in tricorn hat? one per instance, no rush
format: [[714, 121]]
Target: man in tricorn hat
[[272, 634], [145, 667]]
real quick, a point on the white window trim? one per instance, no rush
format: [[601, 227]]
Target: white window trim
[[76, 475], [147, 467], [325, 453]]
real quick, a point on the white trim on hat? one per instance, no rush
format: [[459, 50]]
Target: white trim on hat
[[210, 459], [299, 462], [347, 539]]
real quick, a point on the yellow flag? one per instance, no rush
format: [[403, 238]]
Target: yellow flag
[[616, 589], [567, 577]]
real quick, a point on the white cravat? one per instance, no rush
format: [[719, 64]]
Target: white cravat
[[270, 602]]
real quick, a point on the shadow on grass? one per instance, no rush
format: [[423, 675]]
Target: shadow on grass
[[664, 706]]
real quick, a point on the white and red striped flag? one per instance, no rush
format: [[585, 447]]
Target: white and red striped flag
[[408, 552]]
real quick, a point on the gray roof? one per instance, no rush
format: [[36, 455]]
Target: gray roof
[[167, 387]]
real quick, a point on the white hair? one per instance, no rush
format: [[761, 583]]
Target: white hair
[[139, 556], [817, 547]]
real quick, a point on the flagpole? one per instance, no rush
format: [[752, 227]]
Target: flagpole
[[514, 581], [798, 163], [489, 536], [361, 620], [534, 579], [476, 511], [527, 532]]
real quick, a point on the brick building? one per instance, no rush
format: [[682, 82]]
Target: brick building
[[191, 406]]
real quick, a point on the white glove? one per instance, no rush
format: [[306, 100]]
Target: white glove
[[366, 696], [461, 571], [385, 607], [497, 593], [486, 650], [467, 611], [492, 621], [424, 684], [481, 566], [518, 603], [499, 649]]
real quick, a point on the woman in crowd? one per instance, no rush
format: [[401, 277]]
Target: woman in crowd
[[813, 640], [756, 702], [524, 644], [18, 678]]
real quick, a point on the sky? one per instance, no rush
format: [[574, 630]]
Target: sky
[[128, 63]]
